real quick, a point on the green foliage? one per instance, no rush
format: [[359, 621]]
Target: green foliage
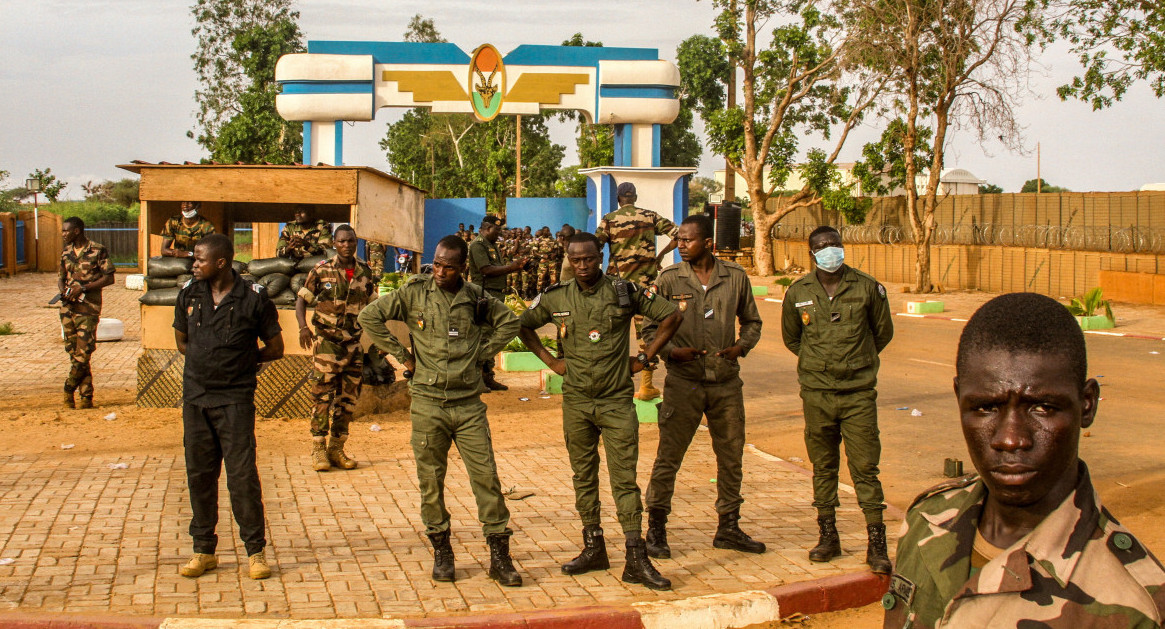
[[990, 189], [7, 329], [517, 345], [1118, 43], [570, 183], [700, 190], [123, 192], [1090, 303], [883, 165], [392, 281], [238, 43], [49, 185], [1042, 186], [704, 73], [422, 30], [823, 178], [678, 144], [93, 212], [9, 198]]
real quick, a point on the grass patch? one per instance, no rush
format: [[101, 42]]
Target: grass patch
[[7, 328]]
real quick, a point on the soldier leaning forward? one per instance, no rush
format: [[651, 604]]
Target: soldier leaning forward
[[305, 237], [85, 270], [339, 288], [453, 326]]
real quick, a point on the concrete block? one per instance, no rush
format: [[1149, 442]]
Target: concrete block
[[1098, 322], [647, 412], [551, 382], [760, 291], [521, 361], [924, 307]]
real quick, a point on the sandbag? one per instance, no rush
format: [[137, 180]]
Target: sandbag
[[182, 279], [239, 267], [285, 298], [159, 266], [158, 283], [297, 281], [160, 297], [267, 266], [275, 283], [310, 262], [250, 278], [377, 370]]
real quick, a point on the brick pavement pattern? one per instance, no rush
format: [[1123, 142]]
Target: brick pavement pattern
[[78, 536]]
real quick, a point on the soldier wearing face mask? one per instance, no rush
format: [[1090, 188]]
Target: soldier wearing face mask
[[182, 233], [837, 320]]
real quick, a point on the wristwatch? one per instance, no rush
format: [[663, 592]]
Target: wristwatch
[[642, 358]]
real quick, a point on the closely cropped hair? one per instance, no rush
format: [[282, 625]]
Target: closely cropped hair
[[824, 229], [702, 222], [344, 228], [454, 242], [1024, 323], [75, 222], [581, 237], [219, 247]]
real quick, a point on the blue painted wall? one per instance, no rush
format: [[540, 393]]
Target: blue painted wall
[[442, 217], [552, 212]]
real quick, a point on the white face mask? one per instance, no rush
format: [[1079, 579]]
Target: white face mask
[[190, 214], [830, 259]]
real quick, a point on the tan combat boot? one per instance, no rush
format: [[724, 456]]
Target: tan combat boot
[[259, 567], [319, 454], [199, 564], [647, 390], [336, 454], [86, 402], [69, 400]]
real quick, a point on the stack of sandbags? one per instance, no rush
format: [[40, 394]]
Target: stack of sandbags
[[275, 275], [164, 278]]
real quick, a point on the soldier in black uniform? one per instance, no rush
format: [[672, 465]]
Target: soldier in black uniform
[[218, 320]]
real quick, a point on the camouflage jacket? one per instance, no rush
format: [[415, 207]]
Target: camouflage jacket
[[546, 249], [337, 301], [90, 265], [632, 232], [184, 238], [1078, 568], [316, 238]]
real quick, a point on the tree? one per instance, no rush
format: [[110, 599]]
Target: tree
[[1118, 43], [238, 43], [1042, 186], [123, 192], [958, 64], [700, 191], [794, 86], [990, 189], [882, 170], [49, 186]]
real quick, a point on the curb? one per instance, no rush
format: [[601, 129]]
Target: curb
[[1147, 337], [713, 611]]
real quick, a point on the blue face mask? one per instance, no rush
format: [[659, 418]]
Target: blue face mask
[[830, 259]]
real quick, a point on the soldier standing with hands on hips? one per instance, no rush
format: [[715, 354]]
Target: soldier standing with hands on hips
[[85, 270], [703, 379], [453, 326], [837, 320], [339, 288], [593, 313], [219, 319]]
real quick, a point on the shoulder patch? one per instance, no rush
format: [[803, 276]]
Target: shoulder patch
[[322, 262], [554, 286], [650, 292], [732, 265], [882, 291], [961, 482], [258, 288], [188, 283]]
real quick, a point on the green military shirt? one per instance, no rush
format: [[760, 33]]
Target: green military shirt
[[317, 237], [483, 253], [595, 331], [86, 267], [337, 299], [1078, 568], [837, 341], [709, 318], [448, 344], [632, 232], [184, 236]]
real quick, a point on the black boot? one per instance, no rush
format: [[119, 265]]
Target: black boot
[[442, 557], [657, 547], [639, 568], [729, 535], [828, 545], [594, 554], [501, 566], [487, 376], [876, 555]]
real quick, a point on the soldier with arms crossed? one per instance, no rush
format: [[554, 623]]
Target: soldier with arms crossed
[[304, 238], [1025, 542]]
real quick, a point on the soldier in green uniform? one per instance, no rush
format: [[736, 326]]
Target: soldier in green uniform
[[182, 232], [593, 314], [304, 238], [487, 271], [837, 320], [632, 231], [85, 270], [1026, 541], [453, 324], [339, 288], [703, 378]]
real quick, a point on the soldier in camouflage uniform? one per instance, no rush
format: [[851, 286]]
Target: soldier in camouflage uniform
[[85, 270], [339, 288], [544, 250], [632, 231], [1026, 542], [376, 253], [182, 232], [304, 238]]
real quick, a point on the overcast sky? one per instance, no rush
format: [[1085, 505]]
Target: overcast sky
[[88, 84]]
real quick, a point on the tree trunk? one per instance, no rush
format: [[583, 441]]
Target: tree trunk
[[762, 252], [922, 268]]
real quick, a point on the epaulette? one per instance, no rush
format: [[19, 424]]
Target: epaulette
[[323, 262], [732, 265], [671, 267], [555, 286], [955, 483], [417, 277]]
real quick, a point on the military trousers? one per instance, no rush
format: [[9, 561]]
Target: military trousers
[[338, 373], [584, 420], [80, 340], [212, 437], [850, 417], [685, 403], [437, 425]]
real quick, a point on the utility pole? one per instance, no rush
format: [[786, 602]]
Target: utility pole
[[729, 174], [1039, 178], [518, 192]]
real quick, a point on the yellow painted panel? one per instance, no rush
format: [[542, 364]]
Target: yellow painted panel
[[545, 87], [427, 85]]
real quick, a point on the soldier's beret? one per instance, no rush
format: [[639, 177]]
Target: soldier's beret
[[491, 219]]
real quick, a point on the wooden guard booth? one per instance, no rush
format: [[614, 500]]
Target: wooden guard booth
[[381, 208]]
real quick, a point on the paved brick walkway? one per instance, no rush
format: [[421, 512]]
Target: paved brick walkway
[[83, 537]]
